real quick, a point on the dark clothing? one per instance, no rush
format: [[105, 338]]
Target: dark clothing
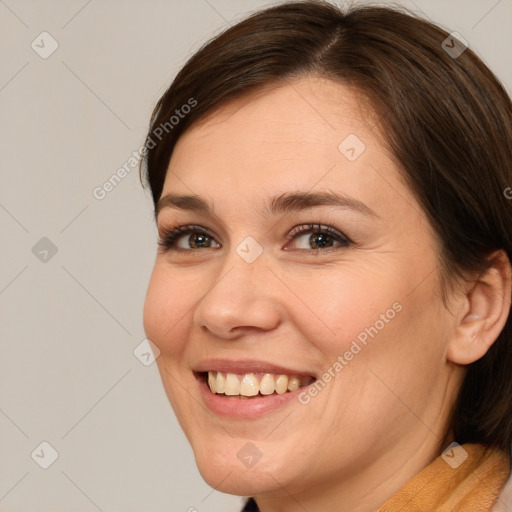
[[250, 506]]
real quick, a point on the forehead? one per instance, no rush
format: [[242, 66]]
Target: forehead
[[309, 134]]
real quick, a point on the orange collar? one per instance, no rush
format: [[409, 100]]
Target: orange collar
[[465, 478]]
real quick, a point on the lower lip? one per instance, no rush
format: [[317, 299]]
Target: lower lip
[[244, 408]]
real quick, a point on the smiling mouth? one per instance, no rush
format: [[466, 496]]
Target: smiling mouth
[[251, 385]]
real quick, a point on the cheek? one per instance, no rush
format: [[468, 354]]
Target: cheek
[[165, 321], [376, 331], [400, 357], [166, 306], [336, 306]]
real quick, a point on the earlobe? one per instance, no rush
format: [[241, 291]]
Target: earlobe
[[484, 313]]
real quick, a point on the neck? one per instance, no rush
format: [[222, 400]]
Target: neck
[[362, 489]]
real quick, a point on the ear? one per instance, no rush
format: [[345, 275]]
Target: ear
[[485, 306]]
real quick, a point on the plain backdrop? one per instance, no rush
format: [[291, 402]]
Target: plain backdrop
[[75, 268]]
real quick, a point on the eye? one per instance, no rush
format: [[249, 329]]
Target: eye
[[185, 238], [318, 237]]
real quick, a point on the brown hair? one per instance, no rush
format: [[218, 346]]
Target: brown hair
[[446, 119]]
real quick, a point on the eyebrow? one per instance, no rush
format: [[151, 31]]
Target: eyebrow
[[284, 203]]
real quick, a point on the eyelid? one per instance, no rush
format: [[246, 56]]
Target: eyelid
[[311, 227]]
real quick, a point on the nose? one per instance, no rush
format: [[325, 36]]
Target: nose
[[239, 299]]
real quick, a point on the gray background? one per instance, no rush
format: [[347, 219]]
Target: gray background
[[71, 320]]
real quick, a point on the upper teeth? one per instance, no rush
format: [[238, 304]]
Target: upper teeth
[[250, 384]]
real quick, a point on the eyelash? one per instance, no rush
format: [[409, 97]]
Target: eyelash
[[169, 236]]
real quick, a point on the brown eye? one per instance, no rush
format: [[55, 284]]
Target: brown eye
[[320, 237], [186, 238]]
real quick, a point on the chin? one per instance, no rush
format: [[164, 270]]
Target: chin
[[240, 483], [237, 471]]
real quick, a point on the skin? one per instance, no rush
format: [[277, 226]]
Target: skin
[[385, 415]]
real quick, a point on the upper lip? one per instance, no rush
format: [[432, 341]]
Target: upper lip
[[246, 366]]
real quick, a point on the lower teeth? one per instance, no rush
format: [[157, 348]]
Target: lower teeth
[[243, 397]]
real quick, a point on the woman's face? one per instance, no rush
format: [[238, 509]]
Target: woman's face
[[353, 303]]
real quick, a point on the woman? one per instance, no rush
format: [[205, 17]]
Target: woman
[[332, 289]]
